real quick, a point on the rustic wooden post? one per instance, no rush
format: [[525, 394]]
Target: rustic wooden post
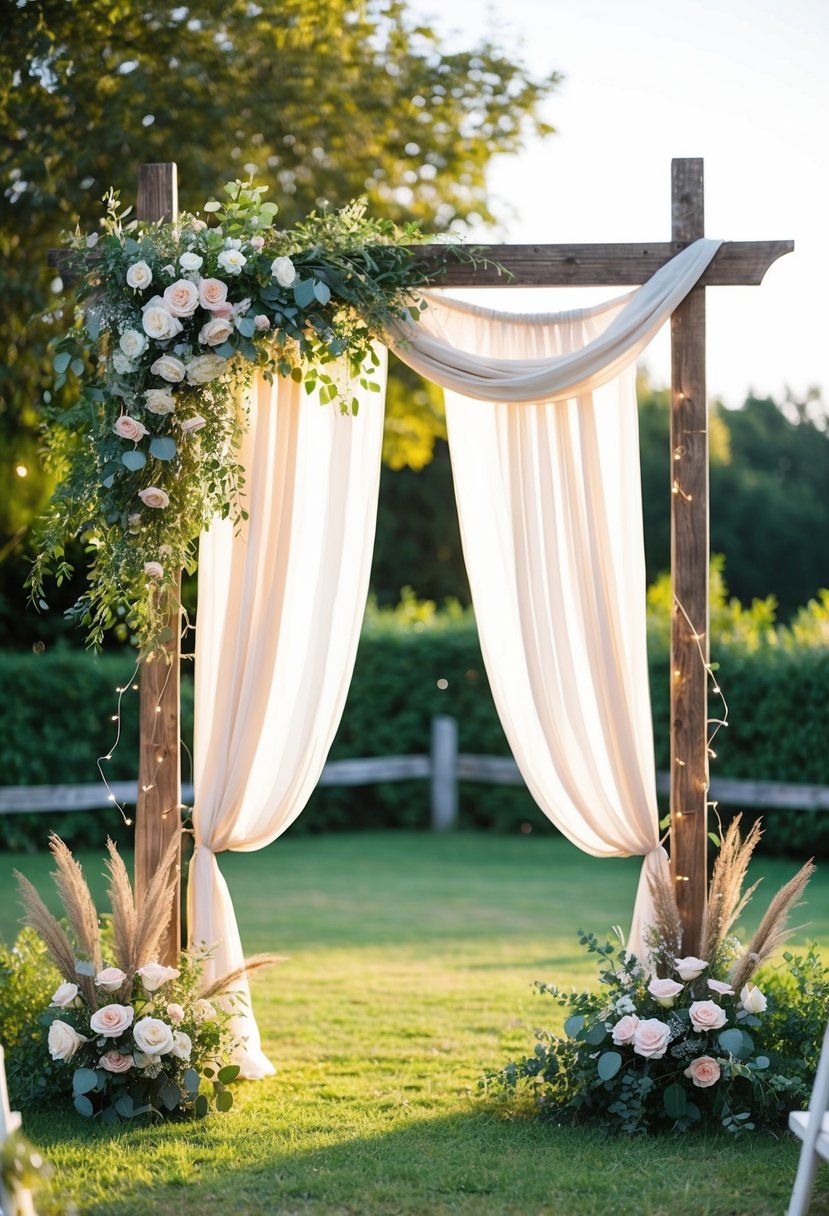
[[689, 571], [158, 813]]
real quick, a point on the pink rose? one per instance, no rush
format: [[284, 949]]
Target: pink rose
[[153, 569], [703, 1071], [129, 428], [110, 979], [257, 243], [152, 496], [112, 1020], [212, 294], [190, 425], [625, 1029], [707, 1015], [651, 1038], [181, 298], [215, 332], [664, 992], [114, 1061], [261, 322]]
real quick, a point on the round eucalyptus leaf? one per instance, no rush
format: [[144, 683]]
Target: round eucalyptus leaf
[[134, 460], [224, 1100], [61, 361], [675, 1101], [83, 1106], [163, 447], [84, 1080], [608, 1065]]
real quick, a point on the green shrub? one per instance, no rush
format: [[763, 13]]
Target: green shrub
[[27, 980]]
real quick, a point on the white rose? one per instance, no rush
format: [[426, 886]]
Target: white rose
[[233, 242], [284, 271], [190, 261], [112, 1020], [110, 979], [189, 426], [651, 1038], [129, 428], [169, 368], [152, 496], [139, 275], [64, 1041], [215, 332], [64, 996], [182, 1045], [719, 987], [181, 298], [203, 1011], [133, 343], [689, 968], [153, 1037], [625, 1029], [257, 242], [231, 260], [153, 570], [153, 975], [158, 322], [159, 401], [205, 368], [175, 1013], [707, 1015], [121, 363], [752, 999], [212, 294], [664, 992]]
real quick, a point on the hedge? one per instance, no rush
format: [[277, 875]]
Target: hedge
[[55, 719]]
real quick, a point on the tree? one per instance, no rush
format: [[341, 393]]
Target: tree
[[327, 101]]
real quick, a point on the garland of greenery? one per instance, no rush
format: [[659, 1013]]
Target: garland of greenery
[[172, 321]]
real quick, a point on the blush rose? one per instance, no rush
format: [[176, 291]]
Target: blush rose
[[112, 1020], [625, 1029], [707, 1015], [64, 1041], [129, 428], [115, 1061], [651, 1038], [703, 1071], [152, 496]]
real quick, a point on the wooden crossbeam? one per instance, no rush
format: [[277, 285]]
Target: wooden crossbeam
[[741, 263]]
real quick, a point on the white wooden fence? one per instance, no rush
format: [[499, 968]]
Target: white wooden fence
[[444, 767]]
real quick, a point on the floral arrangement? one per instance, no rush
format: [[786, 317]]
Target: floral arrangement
[[173, 319], [685, 1040], [135, 1037]]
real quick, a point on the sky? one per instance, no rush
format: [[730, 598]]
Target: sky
[[743, 84]]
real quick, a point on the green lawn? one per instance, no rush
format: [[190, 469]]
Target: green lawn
[[410, 964]]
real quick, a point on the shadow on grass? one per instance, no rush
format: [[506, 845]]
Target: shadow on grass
[[476, 1163]]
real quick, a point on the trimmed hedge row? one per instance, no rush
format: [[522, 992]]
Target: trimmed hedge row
[[55, 719]]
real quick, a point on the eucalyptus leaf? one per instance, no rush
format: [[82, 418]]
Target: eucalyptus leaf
[[201, 1106], [761, 1062], [134, 460], [596, 1034], [322, 291], [76, 367], [676, 1101], [246, 327], [83, 1106], [171, 1097], [731, 1041], [229, 1073], [225, 350], [190, 1080], [163, 447], [61, 361], [84, 1080], [224, 1100], [125, 1106], [573, 1025], [609, 1064], [109, 1116], [304, 293]]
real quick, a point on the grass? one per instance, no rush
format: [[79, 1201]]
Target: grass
[[411, 959]]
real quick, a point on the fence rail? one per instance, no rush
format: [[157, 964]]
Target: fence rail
[[444, 768]]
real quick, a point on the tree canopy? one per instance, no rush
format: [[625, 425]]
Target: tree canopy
[[327, 102]]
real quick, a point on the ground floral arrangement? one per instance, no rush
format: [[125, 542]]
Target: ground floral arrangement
[[131, 1038], [172, 321], [687, 1041]]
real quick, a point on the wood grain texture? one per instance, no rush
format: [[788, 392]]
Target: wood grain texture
[[689, 567], [158, 812]]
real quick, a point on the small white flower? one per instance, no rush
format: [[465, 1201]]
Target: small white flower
[[257, 243], [231, 261], [190, 261], [203, 1011], [121, 363], [232, 242], [284, 271], [159, 401]]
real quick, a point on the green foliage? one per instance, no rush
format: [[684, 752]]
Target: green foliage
[[27, 977]]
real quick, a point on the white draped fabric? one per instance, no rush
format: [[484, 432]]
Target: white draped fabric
[[280, 609], [545, 462]]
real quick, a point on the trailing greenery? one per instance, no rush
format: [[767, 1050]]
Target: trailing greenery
[[410, 968], [55, 719]]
